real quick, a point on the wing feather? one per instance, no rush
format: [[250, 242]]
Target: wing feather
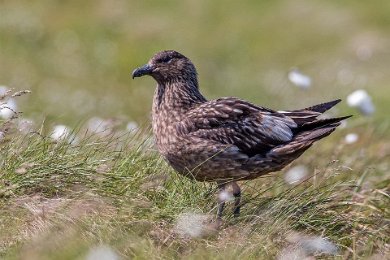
[[251, 128]]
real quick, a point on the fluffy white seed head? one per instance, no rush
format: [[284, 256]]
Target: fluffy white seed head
[[3, 90], [99, 125], [314, 244], [310, 245], [131, 126], [60, 132], [351, 138], [8, 108], [362, 101], [296, 174], [298, 79], [102, 253]]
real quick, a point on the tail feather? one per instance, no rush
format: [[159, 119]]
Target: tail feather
[[309, 130], [309, 114], [306, 136], [322, 123], [302, 142], [317, 134], [321, 108]]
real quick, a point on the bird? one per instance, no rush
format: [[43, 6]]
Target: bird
[[228, 139]]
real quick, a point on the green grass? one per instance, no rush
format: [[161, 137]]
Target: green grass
[[77, 57], [59, 200]]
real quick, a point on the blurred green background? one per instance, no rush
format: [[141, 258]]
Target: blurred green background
[[77, 56]]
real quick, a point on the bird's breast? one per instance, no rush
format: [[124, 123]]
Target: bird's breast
[[164, 129], [170, 107]]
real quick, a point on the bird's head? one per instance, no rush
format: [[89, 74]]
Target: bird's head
[[168, 66]]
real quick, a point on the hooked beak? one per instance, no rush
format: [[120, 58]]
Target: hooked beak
[[141, 71]]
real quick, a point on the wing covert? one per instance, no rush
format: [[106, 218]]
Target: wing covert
[[251, 128]]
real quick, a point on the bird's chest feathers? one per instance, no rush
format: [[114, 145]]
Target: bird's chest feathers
[[165, 114], [170, 106]]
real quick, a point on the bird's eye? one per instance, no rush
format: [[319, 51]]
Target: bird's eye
[[166, 59]]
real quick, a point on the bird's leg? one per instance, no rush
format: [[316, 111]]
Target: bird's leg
[[237, 199], [221, 201]]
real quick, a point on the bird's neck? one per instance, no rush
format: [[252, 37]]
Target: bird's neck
[[178, 96], [170, 104]]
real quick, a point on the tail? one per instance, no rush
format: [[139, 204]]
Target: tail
[[306, 135], [309, 114], [321, 108], [320, 123]]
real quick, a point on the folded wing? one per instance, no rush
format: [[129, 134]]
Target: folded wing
[[253, 129]]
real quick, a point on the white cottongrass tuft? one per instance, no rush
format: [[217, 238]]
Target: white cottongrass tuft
[[102, 253], [298, 79], [192, 225], [131, 126], [3, 90], [362, 101], [313, 244], [8, 106], [296, 174], [351, 138], [99, 125], [62, 132]]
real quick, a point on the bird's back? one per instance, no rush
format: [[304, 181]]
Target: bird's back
[[229, 138]]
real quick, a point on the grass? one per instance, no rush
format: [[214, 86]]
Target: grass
[[77, 57], [60, 199], [113, 192]]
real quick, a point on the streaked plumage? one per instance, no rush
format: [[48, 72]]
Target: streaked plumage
[[227, 139]]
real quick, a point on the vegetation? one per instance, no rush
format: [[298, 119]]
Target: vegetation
[[111, 191]]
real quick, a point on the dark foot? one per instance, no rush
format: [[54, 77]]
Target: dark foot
[[221, 203]]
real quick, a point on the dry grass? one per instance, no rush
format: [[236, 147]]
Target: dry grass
[[61, 200]]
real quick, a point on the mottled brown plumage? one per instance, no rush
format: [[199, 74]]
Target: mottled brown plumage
[[227, 139]]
